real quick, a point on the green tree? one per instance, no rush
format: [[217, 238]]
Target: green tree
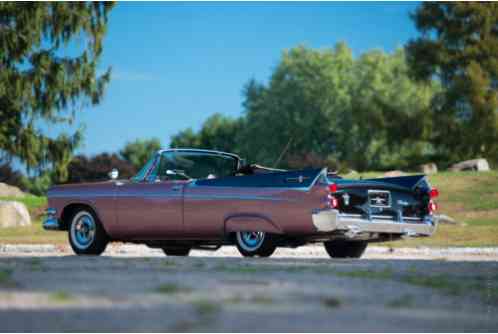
[[327, 108], [218, 132], [391, 124], [185, 138], [41, 84], [139, 151], [304, 108], [458, 46]]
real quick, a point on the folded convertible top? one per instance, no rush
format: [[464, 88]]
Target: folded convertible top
[[284, 179]]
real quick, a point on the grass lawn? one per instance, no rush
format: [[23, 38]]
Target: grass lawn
[[469, 197], [33, 234]]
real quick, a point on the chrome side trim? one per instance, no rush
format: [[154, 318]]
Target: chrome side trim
[[236, 197], [78, 195], [115, 195], [178, 195], [333, 220]]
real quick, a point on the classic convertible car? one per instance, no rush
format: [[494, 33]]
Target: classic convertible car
[[185, 199]]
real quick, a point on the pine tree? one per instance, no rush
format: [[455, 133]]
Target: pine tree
[[42, 81]]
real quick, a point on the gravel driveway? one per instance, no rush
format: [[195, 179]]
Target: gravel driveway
[[133, 288]]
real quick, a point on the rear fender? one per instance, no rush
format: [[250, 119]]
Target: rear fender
[[249, 222]]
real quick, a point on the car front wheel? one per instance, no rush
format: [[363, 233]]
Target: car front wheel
[[252, 244], [86, 234], [345, 249]]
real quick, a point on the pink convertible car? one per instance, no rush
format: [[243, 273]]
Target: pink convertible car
[[185, 199]]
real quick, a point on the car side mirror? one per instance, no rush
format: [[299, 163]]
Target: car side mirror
[[177, 172], [113, 174]]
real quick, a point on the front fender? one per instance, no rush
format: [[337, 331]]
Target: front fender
[[250, 222]]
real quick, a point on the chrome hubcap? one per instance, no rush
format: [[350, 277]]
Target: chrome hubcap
[[83, 230], [250, 241]]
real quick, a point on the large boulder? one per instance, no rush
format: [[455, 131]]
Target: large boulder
[[429, 168], [10, 191], [479, 165], [13, 214]]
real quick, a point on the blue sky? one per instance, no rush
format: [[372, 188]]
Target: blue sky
[[175, 64]]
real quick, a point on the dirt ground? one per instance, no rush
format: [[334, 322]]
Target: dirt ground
[[133, 288]]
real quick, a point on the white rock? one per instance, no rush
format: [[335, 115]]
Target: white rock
[[10, 191], [13, 214], [479, 165]]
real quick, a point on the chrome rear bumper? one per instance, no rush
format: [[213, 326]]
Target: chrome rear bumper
[[355, 225], [51, 223]]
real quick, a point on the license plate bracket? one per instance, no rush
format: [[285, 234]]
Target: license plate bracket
[[379, 198]]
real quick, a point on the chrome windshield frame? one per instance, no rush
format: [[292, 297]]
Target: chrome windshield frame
[[158, 154]]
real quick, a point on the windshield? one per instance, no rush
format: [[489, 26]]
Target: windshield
[[143, 172], [195, 165], [181, 165]]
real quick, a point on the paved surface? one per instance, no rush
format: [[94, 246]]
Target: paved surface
[[133, 288]]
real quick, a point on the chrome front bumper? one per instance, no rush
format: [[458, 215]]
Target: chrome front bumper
[[355, 225], [51, 223]]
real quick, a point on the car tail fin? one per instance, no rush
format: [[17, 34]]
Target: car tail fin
[[408, 182]]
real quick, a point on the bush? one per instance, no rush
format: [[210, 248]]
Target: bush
[[84, 169], [39, 185]]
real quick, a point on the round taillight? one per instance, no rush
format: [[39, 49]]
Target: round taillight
[[434, 193], [333, 188]]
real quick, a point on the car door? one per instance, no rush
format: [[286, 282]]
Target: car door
[[151, 208]]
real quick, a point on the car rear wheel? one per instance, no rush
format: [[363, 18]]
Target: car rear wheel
[[86, 234], [252, 244], [176, 251], [345, 249]]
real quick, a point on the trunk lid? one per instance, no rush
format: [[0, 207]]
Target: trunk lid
[[396, 198]]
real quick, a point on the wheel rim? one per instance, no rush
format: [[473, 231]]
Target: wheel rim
[[250, 241], [83, 230]]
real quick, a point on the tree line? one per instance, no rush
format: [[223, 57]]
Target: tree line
[[325, 107], [434, 100]]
